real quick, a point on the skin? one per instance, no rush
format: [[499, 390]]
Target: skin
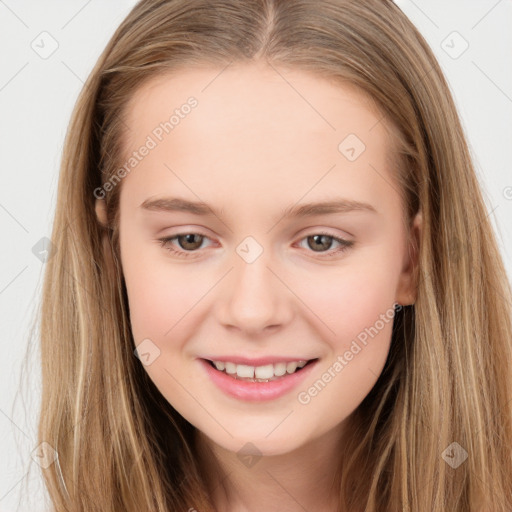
[[256, 144]]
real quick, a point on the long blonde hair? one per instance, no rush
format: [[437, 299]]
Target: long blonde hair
[[121, 446]]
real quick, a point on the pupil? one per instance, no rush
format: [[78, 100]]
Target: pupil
[[317, 238], [189, 239]]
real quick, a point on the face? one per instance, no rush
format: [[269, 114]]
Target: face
[[255, 278]]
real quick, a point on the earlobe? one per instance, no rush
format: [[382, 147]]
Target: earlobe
[[101, 212], [406, 291]]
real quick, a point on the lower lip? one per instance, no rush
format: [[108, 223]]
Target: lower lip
[[256, 391]]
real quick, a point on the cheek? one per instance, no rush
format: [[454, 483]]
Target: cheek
[[359, 309], [159, 297], [153, 293], [355, 309], [351, 297]]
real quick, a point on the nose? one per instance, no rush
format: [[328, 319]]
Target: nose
[[255, 298]]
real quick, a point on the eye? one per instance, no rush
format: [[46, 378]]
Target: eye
[[190, 243], [324, 240]]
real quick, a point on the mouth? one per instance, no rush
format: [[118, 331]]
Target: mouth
[[265, 373]]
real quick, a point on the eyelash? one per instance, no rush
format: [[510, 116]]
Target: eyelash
[[345, 245]]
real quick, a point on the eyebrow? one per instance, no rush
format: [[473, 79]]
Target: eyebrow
[[175, 204]]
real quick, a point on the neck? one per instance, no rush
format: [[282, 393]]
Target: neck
[[305, 479]]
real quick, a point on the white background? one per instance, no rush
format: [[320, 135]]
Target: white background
[[36, 99]]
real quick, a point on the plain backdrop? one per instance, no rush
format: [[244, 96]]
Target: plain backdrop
[[48, 49]]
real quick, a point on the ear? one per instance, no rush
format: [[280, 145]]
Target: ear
[[406, 290], [101, 211], [101, 214]]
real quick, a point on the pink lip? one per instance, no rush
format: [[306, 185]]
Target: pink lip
[[259, 361], [256, 391]]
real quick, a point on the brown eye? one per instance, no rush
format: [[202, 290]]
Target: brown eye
[[190, 241], [320, 242], [183, 245]]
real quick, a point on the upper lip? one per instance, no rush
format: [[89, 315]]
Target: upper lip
[[259, 361]]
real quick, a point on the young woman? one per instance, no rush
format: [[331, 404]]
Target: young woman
[[275, 284]]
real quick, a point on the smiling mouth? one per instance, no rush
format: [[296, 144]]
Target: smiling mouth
[[266, 373]]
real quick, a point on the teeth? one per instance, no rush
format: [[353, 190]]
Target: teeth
[[264, 372], [291, 367], [269, 371], [279, 369], [230, 368], [243, 370]]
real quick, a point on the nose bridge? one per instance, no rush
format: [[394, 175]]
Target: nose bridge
[[255, 298]]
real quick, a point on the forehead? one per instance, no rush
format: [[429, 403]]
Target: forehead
[[258, 127], [255, 77], [242, 89]]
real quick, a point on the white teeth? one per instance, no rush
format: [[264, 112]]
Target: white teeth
[[230, 368], [243, 370], [268, 371], [279, 369], [264, 372]]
